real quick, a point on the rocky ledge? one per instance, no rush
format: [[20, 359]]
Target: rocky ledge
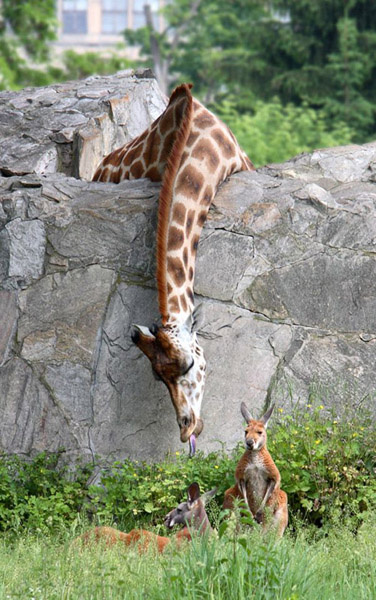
[[286, 277]]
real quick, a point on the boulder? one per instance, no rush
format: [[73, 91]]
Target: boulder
[[286, 279]]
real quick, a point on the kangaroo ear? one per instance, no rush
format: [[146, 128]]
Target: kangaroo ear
[[245, 412], [208, 495], [193, 493], [265, 418]]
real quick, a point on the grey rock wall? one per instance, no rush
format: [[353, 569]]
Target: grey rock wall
[[286, 277]]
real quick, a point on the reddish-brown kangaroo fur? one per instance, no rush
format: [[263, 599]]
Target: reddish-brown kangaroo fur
[[191, 514], [257, 477]]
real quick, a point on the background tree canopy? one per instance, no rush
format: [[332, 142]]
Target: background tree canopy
[[286, 75]]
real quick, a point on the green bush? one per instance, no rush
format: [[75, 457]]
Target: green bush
[[136, 493], [38, 494], [327, 464], [327, 467], [273, 132]]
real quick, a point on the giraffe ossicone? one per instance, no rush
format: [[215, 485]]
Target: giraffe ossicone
[[191, 152]]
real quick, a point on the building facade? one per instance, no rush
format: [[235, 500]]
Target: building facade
[[96, 24]]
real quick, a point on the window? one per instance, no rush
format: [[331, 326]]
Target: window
[[139, 14], [74, 16], [114, 16]]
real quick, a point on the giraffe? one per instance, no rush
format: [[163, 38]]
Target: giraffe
[[191, 152]]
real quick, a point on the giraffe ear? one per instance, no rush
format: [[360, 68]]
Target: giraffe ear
[[188, 323], [137, 329], [145, 340], [198, 317]]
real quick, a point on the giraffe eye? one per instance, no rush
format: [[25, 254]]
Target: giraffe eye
[[189, 368], [184, 382]]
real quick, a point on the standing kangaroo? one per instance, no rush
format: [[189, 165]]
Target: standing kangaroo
[[257, 478], [191, 514]]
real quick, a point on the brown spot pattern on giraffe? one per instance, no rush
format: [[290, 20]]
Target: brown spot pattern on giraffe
[[189, 223], [185, 256], [207, 196], [178, 213], [173, 303], [189, 182], [104, 174], [202, 218], [167, 121], [183, 303], [137, 169], [176, 269], [204, 120], [192, 138], [175, 239], [191, 273], [151, 152], [204, 150], [226, 146], [194, 243], [154, 174]]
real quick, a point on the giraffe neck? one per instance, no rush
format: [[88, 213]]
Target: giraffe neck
[[205, 153], [192, 152]]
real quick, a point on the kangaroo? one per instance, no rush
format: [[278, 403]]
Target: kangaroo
[[257, 478], [191, 514]]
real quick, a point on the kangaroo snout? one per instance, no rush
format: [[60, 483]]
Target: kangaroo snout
[[251, 444], [169, 521]]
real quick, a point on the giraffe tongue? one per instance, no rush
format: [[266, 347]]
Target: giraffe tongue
[[192, 444]]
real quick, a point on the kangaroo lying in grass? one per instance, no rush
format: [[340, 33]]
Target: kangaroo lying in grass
[[257, 478], [191, 514]]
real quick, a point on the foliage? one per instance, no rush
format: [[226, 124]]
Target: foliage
[[327, 464], [135, 493], [340, 565], [33, 23], [26, 29], [38, 494], [316, 54], [274, 133], [78, 66]]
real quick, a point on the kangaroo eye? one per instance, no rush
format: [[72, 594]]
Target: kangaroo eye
[[259, 432]]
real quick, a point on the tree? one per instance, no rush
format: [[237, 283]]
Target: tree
[[26, 28], [319, 53]]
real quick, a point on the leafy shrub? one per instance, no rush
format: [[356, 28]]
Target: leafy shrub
[[274, 132], [39, 494], [136, 493], [327, 467], [327, 464]]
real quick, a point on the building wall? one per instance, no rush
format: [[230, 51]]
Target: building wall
[[97, 24]]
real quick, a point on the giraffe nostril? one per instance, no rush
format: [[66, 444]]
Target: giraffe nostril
[[184, 422]]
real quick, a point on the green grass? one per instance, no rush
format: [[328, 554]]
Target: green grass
[[341, 565]]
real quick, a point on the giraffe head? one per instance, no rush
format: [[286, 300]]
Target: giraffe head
[[178, 360]]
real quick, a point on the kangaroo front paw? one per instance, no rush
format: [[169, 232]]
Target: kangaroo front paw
[[259, 516]]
